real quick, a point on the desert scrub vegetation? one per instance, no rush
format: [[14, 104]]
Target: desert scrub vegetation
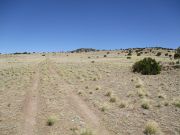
[[104, 108], [86, 132], [98, 88], [145, 104], [130, 53], [138, 54], [177, 53], [112, 99], [122, 104], [166, 103], [176, 103], [158, 54], [109, 93], [147, 66], [138, 86], [79, 92], [161, 95], [51, 120], [151, 128], [142, 92]]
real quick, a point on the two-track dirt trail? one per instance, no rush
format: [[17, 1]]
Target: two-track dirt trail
[[80, 106], [30, 106]]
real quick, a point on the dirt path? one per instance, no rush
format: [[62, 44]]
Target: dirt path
[[83, 110], [30, 106], [80, 106]]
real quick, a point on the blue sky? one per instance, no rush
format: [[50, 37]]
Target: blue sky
[[56, 25]]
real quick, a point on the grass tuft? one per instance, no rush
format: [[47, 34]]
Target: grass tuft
[[145, 104], [122, 104], [151, 128], [51, 120], [86, 132], [109, 93], [176, 103], [112, 99]]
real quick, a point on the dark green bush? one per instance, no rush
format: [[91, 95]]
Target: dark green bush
[[158, 54], [166, 54], [178, 50], [147, 66], [129, 53], [176, 56], [177, 53], [138, 54]]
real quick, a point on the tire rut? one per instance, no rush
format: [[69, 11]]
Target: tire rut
[[93, 121], [30, 106]]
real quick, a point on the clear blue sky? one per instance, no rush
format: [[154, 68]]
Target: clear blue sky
[[56, 25]]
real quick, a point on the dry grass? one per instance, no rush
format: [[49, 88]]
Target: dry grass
[[145, 104], [86, 132], [161, 95], [51, 121], [98, 88], [141, 92], [114, 98], [109, 93], [176, 103], [122, 104], [151, 128]]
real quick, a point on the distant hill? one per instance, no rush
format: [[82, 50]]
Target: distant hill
[[84, 50]]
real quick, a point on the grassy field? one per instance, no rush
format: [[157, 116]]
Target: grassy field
[[87, 94]]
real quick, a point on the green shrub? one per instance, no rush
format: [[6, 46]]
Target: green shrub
[[129, 53], [178, 50], [138, 54], [177, 53], [147, 66], [176, 56], [158, 54]]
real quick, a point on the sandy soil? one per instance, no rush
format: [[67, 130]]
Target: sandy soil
[[71, 89]]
